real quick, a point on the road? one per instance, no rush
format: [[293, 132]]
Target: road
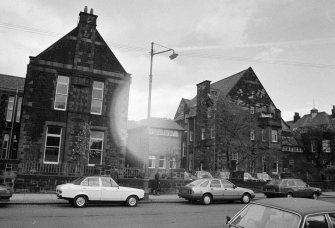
[[149, 215]]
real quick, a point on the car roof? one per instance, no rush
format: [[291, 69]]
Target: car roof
[[299, 205]]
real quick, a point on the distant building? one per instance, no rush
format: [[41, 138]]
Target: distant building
[[76, 95], [154, 144], [294, 159], [11, 93], [200, 139]]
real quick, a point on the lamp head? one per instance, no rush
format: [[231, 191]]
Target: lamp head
[[173, 55]]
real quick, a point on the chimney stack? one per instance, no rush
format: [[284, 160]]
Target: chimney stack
[[314, 112], [85, 9], [296, 117], [333, 112]]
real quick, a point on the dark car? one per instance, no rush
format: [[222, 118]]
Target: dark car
[[6, 192], [290, 187], [209, 190], [285, 213]]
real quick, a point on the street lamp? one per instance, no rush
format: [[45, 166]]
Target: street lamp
[[152, 53]]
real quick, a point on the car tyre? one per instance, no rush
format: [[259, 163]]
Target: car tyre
[[245, 198], [132, 201], [289, 195], [80, 201], [207, 199], [315, 195]]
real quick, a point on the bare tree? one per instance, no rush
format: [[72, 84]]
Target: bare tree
[[234, 134]]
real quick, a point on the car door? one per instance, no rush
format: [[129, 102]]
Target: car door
[[229, 190], [91, 187], [110, 190], [216, 189], [304, 191]]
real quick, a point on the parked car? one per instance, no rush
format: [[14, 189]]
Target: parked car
[[6, 192], [263, 177], [193, 175], [249, 177], [290, 188], [222, 174], [285, 213], [98, 188], [208, 190]]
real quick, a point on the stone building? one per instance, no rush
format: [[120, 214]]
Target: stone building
[[11, 93], [199, 119], [296, 157], [75, 103], [154, 144]]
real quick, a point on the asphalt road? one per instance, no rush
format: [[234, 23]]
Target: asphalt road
[[157, 215]]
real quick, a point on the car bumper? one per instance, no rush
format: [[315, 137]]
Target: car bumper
[[189, 197], [275, 194]]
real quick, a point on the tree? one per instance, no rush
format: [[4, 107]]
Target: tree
[[318, 146], [234, 127]]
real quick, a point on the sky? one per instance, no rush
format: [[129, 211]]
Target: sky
[[290, 44]]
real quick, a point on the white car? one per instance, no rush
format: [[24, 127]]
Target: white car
[[98, 188]]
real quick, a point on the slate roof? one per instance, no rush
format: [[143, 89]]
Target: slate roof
[[155, 122], [8, 82], [63, 51], [224, 86], [322, 118]]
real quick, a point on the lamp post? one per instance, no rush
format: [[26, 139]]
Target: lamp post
[[152, 53]]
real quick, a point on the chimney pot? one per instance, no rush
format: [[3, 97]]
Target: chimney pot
[[85, 9], [333, 112], [91, 11]]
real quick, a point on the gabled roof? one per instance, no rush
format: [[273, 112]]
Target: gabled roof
[[8, 82], [63, 51], [321, 118], [226, 85], [155, 122]]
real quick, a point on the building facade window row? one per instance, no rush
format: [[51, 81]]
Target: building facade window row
[[62, 92], [161, 162]]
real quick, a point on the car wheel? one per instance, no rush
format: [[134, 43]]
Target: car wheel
[[132, 201], [315, 195], [80, 201], [245, 198], [207, 199], [289, 195]]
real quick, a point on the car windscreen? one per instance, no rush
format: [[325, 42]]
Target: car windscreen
[[195, 183], [78, 180], [255, 216]]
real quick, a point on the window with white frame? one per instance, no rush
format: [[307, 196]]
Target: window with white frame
[[202, 133], [97, 97], [274, 135], [52, 145], [173, 163], [313, 147], [252, 134], [4, 150], [10, 107], [252, 110], [326, 146], [212, 133], [162, 162], [18, 110], [263, 135], [62, 91], [183, 149], [191, 136], [96, 147], [152, 161], [234, 156]]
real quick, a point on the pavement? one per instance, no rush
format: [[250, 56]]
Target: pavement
[[50, 198]]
